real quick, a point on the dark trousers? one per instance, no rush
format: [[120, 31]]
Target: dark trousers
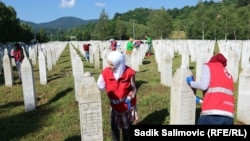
[[115, 131], [215, 120]]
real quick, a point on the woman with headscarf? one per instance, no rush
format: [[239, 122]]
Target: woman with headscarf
[[119, 82], [217, 84]]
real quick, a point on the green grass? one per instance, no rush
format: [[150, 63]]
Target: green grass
[[57, 115]]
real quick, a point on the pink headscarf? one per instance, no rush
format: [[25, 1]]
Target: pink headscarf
[[219, 58]]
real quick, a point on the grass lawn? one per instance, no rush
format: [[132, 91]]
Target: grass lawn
[[56, 117]]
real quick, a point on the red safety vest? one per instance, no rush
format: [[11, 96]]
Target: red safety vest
[[18, 54], [219, 98], [113, 45], [86, 47], [118, 90]]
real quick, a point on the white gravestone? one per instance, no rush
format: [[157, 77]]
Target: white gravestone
[[7, 69], [42, 68], [90, 110], [243, 106], [28, 85], [78, 71], [182, 101]]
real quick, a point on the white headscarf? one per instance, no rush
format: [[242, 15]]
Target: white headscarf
[[118, 60]]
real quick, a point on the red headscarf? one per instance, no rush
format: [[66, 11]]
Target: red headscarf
[[219, 58]]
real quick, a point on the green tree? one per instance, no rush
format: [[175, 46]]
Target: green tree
[[159, 23], [120, 27], [101, 27], [9, 24], [26, 34], [42, 36]]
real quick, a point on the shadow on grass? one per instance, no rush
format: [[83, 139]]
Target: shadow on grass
[[62, 62], [74, 138], [155, 118], [58, 96], [145, 62], [54, 77], [15, 127], [139, 83], [12, 104]]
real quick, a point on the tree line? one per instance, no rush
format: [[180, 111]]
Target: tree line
[[223, 19]]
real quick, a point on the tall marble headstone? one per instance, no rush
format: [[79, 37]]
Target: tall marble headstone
[[42, 68], [182, 101], [243, 106], [78, 71], [28, 85], [90, 109], [7, 69], [166, 72], [49, 60]]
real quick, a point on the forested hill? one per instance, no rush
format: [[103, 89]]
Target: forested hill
[[209, 19], [60, 23]]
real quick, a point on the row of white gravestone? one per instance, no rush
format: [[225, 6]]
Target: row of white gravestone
[[182, 108], [88, 97], [200, 52], [233, 57], [27, 75]]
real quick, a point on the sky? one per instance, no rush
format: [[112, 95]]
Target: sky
[[42, 11]]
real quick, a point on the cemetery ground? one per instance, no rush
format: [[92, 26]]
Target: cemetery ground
[[56, 116]]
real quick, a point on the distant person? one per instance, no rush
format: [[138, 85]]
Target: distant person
[[138, 43], [113, 44], [86, 51], [18, 55], [130, 46], [218, 86], [150, 44], [119, 82]]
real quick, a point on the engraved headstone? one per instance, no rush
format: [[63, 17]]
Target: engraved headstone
[[182, 101], [90, 109]]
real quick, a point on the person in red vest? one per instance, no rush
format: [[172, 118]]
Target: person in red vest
[[18, 55], [113, 44], [86, 50], [118, 80], [218, 88]]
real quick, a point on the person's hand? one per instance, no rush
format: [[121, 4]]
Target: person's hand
[[198, 100], [128, 102], [189, 79]]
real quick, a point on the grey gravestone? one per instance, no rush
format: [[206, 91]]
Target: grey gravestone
[[28, 85], [182, 101], [90, 109]]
